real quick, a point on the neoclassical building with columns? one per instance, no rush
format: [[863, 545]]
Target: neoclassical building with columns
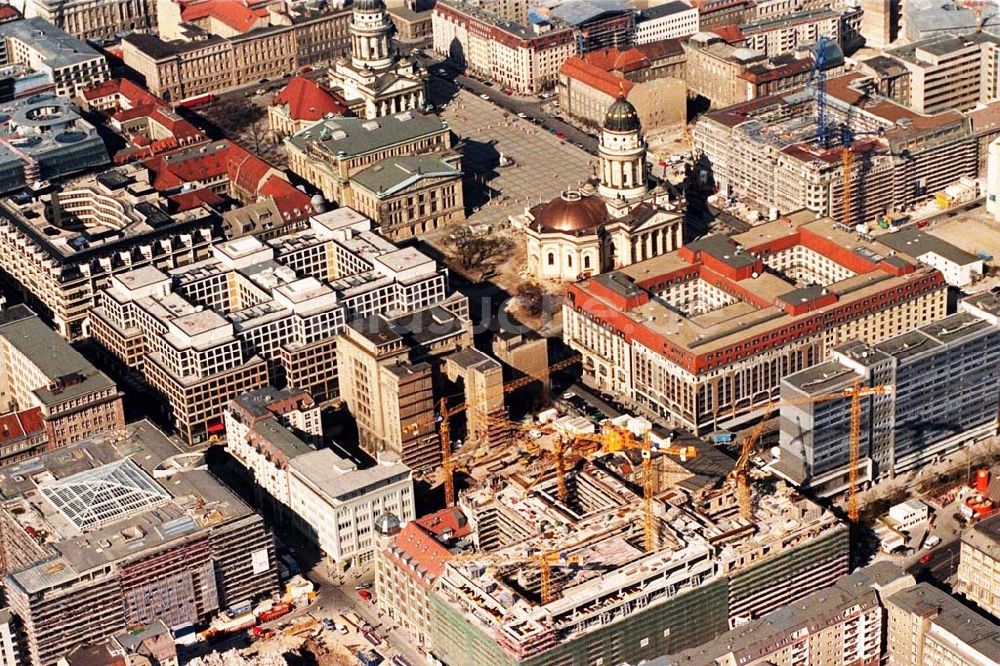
[[375, 81], [612, 221]]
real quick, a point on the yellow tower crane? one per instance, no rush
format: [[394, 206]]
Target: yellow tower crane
[[544, 560], [443, 420], [613, 439], [749, 445]]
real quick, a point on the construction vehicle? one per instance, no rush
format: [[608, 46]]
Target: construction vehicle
[[445, 413], [740, 472], [613, 439]]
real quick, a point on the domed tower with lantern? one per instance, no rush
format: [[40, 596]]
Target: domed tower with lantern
[[614, 220], [374, 80]]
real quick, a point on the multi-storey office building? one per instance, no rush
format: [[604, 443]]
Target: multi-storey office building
[[44, 137], [337, 505], [170, 543], [193, 60], [777, 36], [327, 498], [525, 59], [765, 150], [704, 334], [979, 565], [929, 626], [70, 64], [39, 369], [257, 312], [918, 422], [948, 72], [389, 373], [95, 19], [668, 20], [100, 225]]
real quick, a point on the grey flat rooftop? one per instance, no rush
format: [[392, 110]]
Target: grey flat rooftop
[[339, 479], [985, 536], [58, 48], [944, 610], [54, 356], [157, 49], [281, 438], [822, 378], [916, 243], [986, 301], [358, 136], [908, 344], [957, 327], [861, 352], [196, 501], [425, 326], [394, 174], [666, 9]]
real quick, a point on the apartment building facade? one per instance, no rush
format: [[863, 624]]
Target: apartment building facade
[[979, 565], [200, 62], [39, 369], [95, 19], [637, 347], [928, 627], [338, 505], [523, 59], [70, 64]]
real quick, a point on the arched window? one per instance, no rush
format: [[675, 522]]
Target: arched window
[[569, 261], [552, 259], [586, 262]]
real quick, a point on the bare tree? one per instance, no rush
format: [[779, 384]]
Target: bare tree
[[482, 253]]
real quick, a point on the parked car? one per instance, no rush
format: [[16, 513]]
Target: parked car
[[926, 558], [931, 542], [485, 96]]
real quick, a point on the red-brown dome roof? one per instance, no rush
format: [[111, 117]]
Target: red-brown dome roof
[[571, 212]]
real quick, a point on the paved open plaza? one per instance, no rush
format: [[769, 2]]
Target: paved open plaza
[[543, 165]]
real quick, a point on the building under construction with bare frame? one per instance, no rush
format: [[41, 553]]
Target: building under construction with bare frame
[[609, 600], [120, 530], [768, 151]]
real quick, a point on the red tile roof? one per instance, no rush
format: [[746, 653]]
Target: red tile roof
[[664, 48], [731, 33], [613, 60], [595, 77], [293, 204], [17, 425], [8, 13], [422, 551], [228, 161], [450, 519], [194, 199], [233, 13], [307, 100]]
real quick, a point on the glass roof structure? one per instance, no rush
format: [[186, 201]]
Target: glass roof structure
[[103, 495]]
